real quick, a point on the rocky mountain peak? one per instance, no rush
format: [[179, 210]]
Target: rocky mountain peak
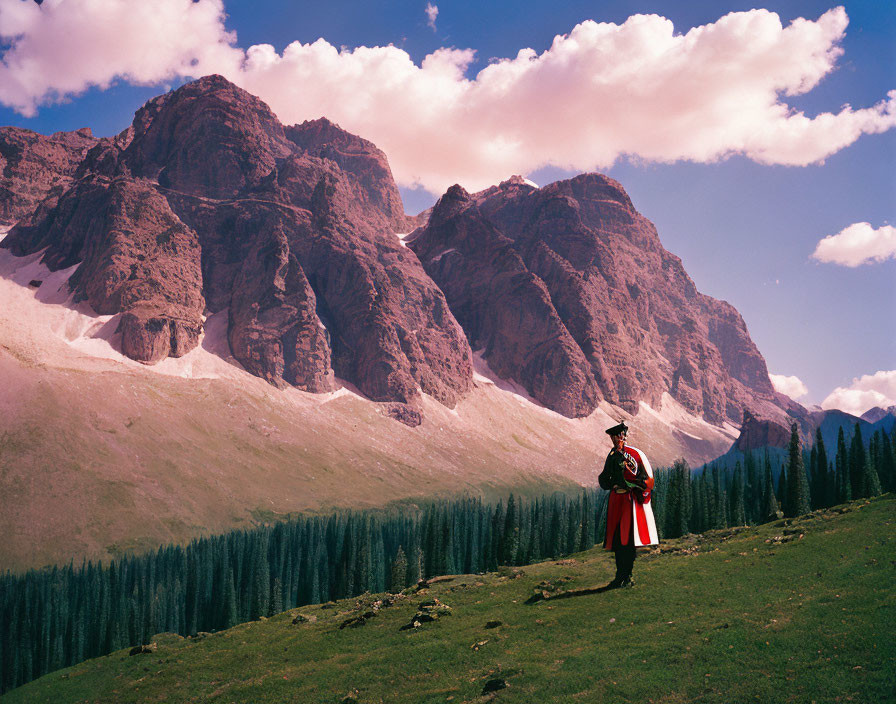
[[619, 319], [207, 203]]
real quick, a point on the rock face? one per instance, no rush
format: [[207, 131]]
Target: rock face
[[208, 203], [568, 291], [33, 166], [756, 433]]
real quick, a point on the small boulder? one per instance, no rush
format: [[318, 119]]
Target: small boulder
[[142, 649], [494, 624]]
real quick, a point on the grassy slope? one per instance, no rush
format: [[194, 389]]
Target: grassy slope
[[733, 616], [101, 455]]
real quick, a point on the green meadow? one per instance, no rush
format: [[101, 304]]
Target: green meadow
[[800, 610]]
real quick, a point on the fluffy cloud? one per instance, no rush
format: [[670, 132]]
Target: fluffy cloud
[[858, 244], [432, 11], [61, 48], [600, 92], [866, 392], [788, 385]]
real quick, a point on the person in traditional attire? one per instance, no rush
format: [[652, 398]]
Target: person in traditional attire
[[628, 476]]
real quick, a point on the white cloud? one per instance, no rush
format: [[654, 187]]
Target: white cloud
[[858, 244], [866, 392], [598, 93], [61, 48], [432, 11], [788, 385]]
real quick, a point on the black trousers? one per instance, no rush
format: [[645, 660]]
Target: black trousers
[[625, 556]]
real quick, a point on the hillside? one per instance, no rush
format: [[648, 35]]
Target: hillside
[[792, 611], [100, 454]]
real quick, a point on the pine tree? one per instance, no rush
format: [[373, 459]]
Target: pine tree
[[511, 543], [865, 481], [844, 481], [738, 507], [770, 506], [782, 491], [822, 491], [887, 469], [797, 503], [399, 571], [678, 512], [752, 495]]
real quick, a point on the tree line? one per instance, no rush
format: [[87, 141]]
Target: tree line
[[56, 617], [759, 489]]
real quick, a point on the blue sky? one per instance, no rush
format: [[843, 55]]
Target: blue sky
[[744, 223]]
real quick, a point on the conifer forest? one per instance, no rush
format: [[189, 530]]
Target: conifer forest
[[59, 616]]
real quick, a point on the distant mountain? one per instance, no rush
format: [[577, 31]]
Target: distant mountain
[[873, 415], [208, 203], [758, 435]]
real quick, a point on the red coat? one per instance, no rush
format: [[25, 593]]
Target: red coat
[[629, 511]]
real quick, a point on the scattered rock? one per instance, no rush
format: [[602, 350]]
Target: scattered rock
[[494, 624], [142, 649], [428, 611], [477, 646], [357, 621], [35, 283], [302, 618]]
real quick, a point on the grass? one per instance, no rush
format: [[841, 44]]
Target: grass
[[798, 611]]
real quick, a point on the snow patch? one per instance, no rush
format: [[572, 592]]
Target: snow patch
[[676, 416], [483, 374], [530, 183], [49, 311]]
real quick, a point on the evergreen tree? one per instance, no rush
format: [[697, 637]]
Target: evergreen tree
[[797, 502], [752, 494], [586, 540], [399, 571], [770, 505], [865, 481], [887, 468], [822, 492], [782, 491], [678, 512], [511, 542], [844, 481], [738, 507]]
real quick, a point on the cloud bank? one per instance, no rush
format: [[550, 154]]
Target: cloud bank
[[790, 386], [864, 393], [858, 244], [601, 92]]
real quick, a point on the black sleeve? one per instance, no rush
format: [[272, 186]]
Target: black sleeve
[[606, 478]]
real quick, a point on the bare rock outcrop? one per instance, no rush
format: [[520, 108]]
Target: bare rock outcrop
[[758, 433], [208, 203], [617, 316], [33, 166]]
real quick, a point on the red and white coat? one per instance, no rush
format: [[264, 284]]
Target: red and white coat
[[627, 514]]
